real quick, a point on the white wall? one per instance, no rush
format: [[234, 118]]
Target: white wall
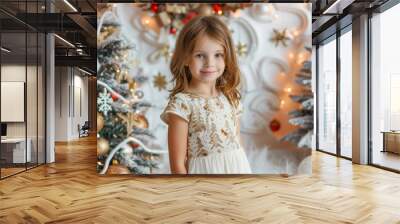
[[70, 84], [34, 123]]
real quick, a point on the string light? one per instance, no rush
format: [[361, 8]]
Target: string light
[[295, 32], [300, 58], [282, 103], [291, 55], [288, 89]]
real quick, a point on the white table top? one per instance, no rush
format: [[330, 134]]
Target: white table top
[[13, 140]]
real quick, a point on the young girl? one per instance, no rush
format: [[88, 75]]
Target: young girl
[[202, 113]]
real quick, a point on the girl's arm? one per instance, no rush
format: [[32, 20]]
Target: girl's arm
[[177, 144]]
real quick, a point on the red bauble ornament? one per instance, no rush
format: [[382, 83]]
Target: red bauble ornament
[[217, 8], [185, 20], [134, 145], [114, 97], [188, 17], [275, 125], [172, 30], [154, 7]]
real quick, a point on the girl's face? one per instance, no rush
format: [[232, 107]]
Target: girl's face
[[207, 62]]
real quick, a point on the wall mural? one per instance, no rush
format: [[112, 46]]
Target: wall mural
[[135, 45]]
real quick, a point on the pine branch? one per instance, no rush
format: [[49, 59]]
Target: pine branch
[[305, 122], [303, 118], [304, 82], [308, 104], [307, 65], [300, 112], [301, 98], [140, 105], [306, 140], [140, 79], [295, 136], [141, 131]]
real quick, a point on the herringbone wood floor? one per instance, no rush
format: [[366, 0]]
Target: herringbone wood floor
[[70, 191]]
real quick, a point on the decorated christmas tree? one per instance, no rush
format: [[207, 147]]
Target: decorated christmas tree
[[303, 116], [124, 144]]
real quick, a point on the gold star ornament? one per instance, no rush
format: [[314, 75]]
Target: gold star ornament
[[241, 49], [160, 82], [133, 120], [280, 37]]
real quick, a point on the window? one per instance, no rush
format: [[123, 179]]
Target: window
[[346, 94], [327, 97], [385, 89]]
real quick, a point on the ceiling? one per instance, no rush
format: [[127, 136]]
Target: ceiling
[[73, 20], [328, 16], [76, 22]]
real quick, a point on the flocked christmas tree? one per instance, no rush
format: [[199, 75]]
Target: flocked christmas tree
[[124, 144], [302, 117]]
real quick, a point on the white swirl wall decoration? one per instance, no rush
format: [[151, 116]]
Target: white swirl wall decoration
[[244, 32], [268, 69], [265, 13], [259, 112], [302, 16]]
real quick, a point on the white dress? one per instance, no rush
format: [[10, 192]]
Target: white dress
[[213, 143]]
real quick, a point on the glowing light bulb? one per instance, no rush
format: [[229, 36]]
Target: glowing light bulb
[[291, 55], [288, 89]]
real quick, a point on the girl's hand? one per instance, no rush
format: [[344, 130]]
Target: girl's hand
[[177, 144]]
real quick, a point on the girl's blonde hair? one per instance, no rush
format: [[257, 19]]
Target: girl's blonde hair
[[214, 28]]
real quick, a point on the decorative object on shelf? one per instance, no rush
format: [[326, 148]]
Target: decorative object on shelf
[[280, 37], [160, 81]]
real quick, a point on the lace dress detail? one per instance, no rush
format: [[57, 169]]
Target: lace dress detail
[[213, 143]]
